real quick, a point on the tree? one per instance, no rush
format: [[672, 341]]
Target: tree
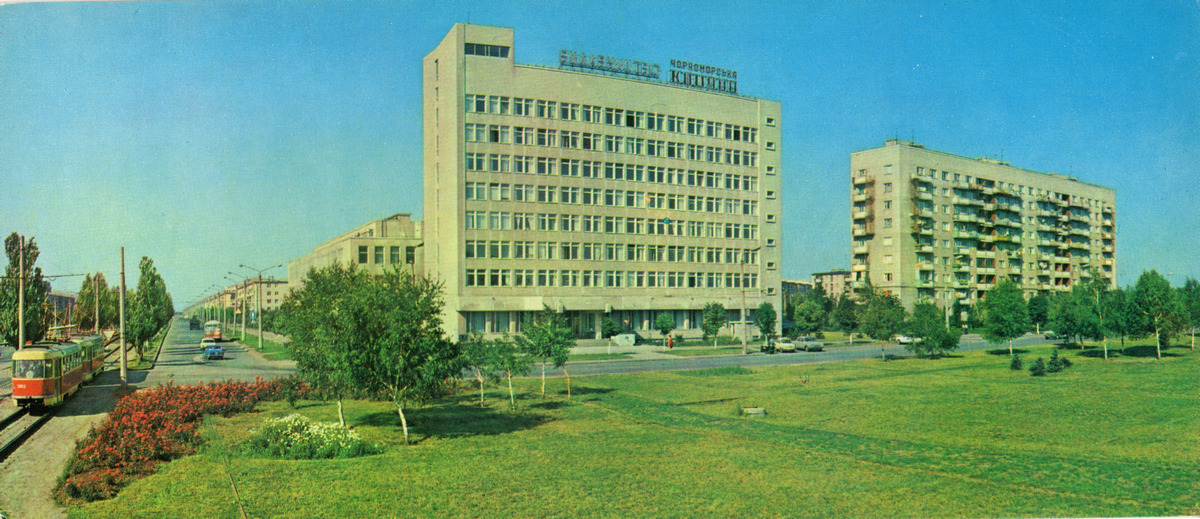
[[881, 316], [1039, 311], [1190, 295], [1163, 311], [712, 319], [510, 361], [928, 329], [85, 306], [402, 349], [765, 319], [845, 316], [1122, 317], [150, 307], [808, 317], [664, 323], [1074, 314], [609, 327], [322, 330], [479, 356], [1005, 315], [547, 338], [36, 289], [1098, 292]]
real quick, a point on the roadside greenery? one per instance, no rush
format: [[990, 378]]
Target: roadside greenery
[[36, 289], [1005, 315], [296, 437]]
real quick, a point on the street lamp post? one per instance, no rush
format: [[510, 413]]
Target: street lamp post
[[745, 310], [258, 299], [245, 284]]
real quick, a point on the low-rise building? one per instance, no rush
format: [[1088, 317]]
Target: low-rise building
[[378, 246]]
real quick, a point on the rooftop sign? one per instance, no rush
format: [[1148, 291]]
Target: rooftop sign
[[704, 77], [573, 59]]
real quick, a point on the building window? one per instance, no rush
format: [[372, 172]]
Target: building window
[[770, 121], [362, 253], [483, 49], [887, 276], [887, 223], [394, 254], [410, 255], [378, 254], [887, 187]]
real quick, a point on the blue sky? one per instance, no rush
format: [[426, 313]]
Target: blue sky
[[210, 134]]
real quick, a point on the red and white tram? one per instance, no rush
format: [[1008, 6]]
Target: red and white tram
[[44, 374], [93, 354], [212, 330]]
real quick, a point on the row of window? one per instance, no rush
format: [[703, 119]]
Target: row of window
[[509, 221], [504, 105], [502, 134], [948, 176], [607, 278], [610, 171], [393, 258], [504, 192], [504, 249]]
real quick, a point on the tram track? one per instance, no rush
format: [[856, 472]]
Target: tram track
[[19, 426]]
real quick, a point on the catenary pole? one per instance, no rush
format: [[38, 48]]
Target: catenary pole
[[21, 293], [124, 374]]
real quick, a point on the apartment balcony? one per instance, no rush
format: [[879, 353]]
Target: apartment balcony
[[862, 197], [923, 283], [1061, 274], [987, 190], [985, 270], [862, 214], [962, 267], [1108, 261], [862, 180], [926, 248], [1077, 202], [1080, 231], [925, 265], [960, 283], [1106, 235], [1045, 228], [985, 254], [966, 235], [859, 268], [989, 206], [987, 238], [860, 249], [1108, 248], [958, 200], [922, 229], [922, 195], [963, 251], [987, 222], [924, 213], [1107, 221], [1076, 217]]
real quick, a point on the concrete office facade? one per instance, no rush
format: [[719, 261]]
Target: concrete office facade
[[594, 188], [933, 226]]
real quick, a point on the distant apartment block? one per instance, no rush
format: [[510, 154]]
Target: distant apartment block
[[835, 282], [377, 246], [595, 188], [932, 226]]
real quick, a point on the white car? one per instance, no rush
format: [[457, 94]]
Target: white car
[[903, 339], [207, 342]]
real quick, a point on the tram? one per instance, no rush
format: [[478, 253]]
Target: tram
[[44, 374], [93, 354]]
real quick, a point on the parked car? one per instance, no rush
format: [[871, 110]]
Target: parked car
[[207, 342], [214, 352], [903, 339], [811, 344], [785, 347], [1051, 336]]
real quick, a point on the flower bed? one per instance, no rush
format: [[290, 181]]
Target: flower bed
[[153, 426]]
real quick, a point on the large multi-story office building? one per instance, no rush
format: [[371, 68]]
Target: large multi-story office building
[[605, 186], [928, 225]]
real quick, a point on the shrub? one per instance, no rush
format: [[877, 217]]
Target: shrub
[[820, 335], [1016, 364], [1038, 369], [298, 438]]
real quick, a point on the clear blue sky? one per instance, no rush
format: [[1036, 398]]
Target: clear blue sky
[[208, 134]]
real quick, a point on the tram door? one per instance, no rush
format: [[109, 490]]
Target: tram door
[[57, 376]]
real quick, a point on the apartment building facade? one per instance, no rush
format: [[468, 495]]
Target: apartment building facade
[[932, 226], [596, 188]]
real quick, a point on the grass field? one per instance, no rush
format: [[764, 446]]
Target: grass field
[[955, 437], [271, 350]]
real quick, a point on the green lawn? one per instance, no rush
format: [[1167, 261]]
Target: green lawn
[[271, 350], [584, 357], [955, 437], [722, 350]]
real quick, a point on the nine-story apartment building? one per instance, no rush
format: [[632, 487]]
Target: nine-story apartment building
[[606, 186], [928, 225]]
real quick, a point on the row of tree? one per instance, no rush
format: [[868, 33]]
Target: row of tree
[[149, 307], [353, 332]]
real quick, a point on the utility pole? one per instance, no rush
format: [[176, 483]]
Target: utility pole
[[21, 293], [258, 300], [124, 375], [96, 292]]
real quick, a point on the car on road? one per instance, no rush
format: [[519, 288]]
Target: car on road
[[785, 347], [206, 342], [903, 339], [214, 352], [811, 344]]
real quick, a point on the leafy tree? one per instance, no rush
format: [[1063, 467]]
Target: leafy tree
[[845, 316], [765, 319], [1123, 319], [819, 296], [808, 317], [479, 356], [881, 316], [510, 361], [928, 328], [609, 327], [1190, 295], [1005, 315], [956, 311], [1098, 292], [712, 319], [150, 307], [664, 322], [323, 331], [36, 289], [1163, 311], [1039, 311], [547, 338], [85, 306], [1074, 314], [402, 349]]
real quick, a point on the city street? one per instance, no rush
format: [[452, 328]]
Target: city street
[[180, 361]]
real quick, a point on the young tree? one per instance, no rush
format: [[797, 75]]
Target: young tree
[[664, 322], [1123, 319], [1190, 294], [150, 302], [765, 318], [36, 289], [712, 319], [402, 349], [1098, 293], [609, 327], [808, 317], [511, 361], [546, 337], [479, 356], [930, 335], [1039, 311], [1074, 314], [881, 316], [1160, 305], [845, 316], [1005, 315], [85, 306]]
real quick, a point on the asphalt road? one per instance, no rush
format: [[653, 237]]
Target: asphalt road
[[180, 361], [834, 354]]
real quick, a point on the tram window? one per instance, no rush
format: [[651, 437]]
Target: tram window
[[30, 369]]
